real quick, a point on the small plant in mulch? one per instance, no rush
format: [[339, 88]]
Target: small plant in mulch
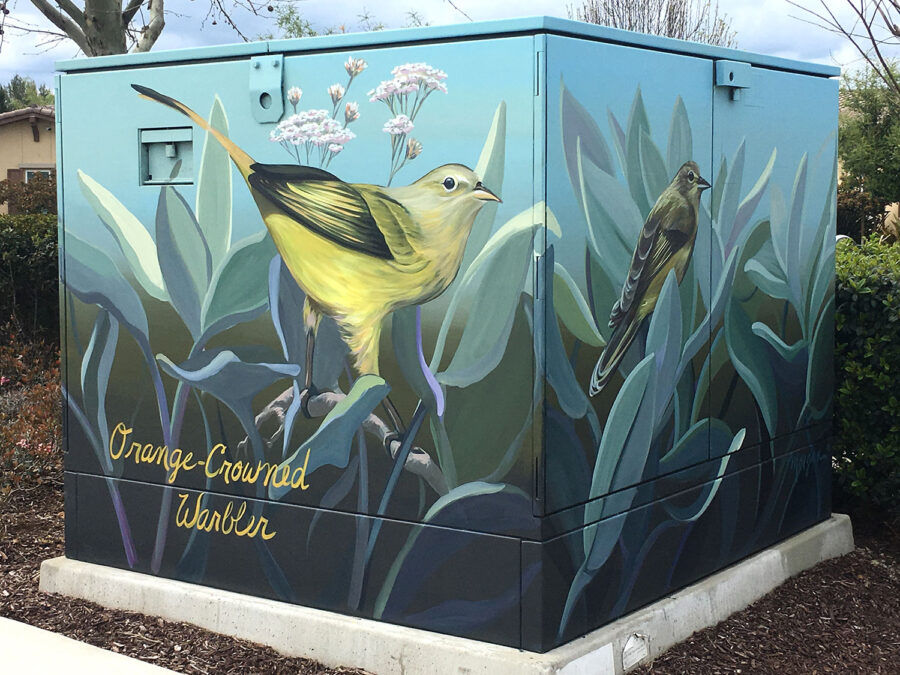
[[30, 425]]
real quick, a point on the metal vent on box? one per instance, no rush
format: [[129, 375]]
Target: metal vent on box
[[167, 156]]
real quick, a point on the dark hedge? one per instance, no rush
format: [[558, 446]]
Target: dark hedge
[[867, 370]]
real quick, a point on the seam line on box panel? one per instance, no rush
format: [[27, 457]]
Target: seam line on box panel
[[309, 507]]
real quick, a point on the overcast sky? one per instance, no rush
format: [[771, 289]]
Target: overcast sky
[[764, 26]]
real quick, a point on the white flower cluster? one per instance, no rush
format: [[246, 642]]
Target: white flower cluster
[[401, 124], [314, 127], [410, 78]]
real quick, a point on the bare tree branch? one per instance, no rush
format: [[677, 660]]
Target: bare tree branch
[[130, 10], [152, 30], [73, 11], [456, 7], [874, 27], [64, 23]]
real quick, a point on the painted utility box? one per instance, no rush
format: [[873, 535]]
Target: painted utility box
[[310, 354]]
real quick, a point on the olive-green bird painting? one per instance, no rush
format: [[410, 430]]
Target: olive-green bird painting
[[666, 243], [358, 251]]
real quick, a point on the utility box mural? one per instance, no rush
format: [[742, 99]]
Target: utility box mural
[[500, 330]]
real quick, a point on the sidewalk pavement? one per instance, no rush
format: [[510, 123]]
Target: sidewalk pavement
[[28, 650]]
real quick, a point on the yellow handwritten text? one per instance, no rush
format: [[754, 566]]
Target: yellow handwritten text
[[227, 521]]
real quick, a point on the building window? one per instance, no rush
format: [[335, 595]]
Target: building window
[[31, 173]]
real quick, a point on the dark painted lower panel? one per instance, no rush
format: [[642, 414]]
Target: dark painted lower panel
[[436, 578], [603, 571]]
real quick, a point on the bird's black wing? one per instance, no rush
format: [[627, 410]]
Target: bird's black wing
[[654, 249], [321, 202]]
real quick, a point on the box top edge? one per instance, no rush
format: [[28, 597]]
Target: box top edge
[[496, 28]]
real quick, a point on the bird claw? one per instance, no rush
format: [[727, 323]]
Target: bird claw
[[389, 438], [305, 397]]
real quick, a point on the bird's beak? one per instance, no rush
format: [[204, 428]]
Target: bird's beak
[[703, 183], [482, 192]]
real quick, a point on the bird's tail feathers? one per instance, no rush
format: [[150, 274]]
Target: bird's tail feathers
[[613, 353], [240, 158]]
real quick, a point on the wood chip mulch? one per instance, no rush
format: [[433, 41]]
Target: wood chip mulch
[[842, 616]]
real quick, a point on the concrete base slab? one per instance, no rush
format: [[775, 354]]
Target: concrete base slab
[[385, 649], [32, 651]]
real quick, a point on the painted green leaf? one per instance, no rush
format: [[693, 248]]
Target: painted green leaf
[[718, 190], [618, 137], [183, 257], [748, 206], [406, 337], [637, 124], [681, 145], [765, 271], [664, 341], [618, 427], [132, 237], [573, 309], [490, 168], [239, 290], [820, 373], [691, 512], [332, 443], [795, 230], [492, 284], [786, 351], [614, 222], [603, 293], [95, 368], [580, 135], [653, 169], [213, 204], [691, 448], [751, 361], [731, 195], [94, 279]]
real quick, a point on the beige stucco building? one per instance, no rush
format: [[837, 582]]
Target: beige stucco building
[[27, 144]]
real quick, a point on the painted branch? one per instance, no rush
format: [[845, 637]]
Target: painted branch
[[418, 462]]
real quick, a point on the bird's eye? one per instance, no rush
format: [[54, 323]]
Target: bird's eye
[[449, 183], [691, 176]]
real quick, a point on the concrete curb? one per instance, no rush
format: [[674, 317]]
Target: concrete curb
[[385, 649], [32, 651]]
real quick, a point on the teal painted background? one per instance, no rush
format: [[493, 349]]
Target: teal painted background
[[513, 506]]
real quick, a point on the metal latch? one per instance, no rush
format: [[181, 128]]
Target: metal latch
[[735, 75], [266, 99]]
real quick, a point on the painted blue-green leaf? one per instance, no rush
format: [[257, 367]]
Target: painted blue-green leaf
[[731, 195], [795, 230], [618, 427], [637, 125], [134, 240], [580, 135], [560, 374], [235, 382], [493, 284], [786, 351], [95, 368], [609, 210], [750, 202], [818, 266], [94, 279], [751, 361], [465, 492], [406, 335], [692, 448], [691, 512], [490, 168], [653, 169], [573, 309], [286, 305], [701, 261], [183, 257], [820, 373], [332, 443], [718, 189], [664, 338], [778, 224], [681, 145], [239, 289], [213, 203], [769, 281]]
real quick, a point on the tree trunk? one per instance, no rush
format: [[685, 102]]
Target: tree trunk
[[104, 29]]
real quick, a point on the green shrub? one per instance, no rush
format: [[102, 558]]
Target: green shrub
[[29, 289], [867, 367]]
